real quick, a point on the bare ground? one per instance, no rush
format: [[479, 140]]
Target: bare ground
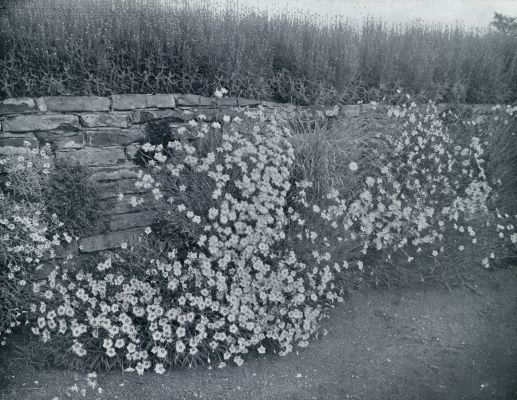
[[400, 344]]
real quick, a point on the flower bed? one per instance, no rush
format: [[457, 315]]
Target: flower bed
[[260, 232]]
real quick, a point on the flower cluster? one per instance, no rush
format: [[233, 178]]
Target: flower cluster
[[248, 256], [28, 238], [238, 287]]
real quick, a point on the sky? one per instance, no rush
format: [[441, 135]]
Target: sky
[[470, 13]]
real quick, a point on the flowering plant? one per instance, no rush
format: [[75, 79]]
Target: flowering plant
[[251, 250], [28, 237]]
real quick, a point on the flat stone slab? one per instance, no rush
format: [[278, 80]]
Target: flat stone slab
[[242, 102], [112, 189], [19, 105], [228, 102], [93, 156], [131, 220], [13, 151], [141, 116], [49, 122], [62, 140], [124, 102], [115, 136], [76, 103], [161, 101], [18, 140], [113, 205], [194, 100], [110, 240], [118, 120], [109, 174]]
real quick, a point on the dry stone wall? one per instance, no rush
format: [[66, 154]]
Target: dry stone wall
[[104, 134]]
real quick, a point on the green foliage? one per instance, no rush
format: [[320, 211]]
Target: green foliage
[[261, 231], [69, 194], [41, 206], [100, 47], [323, 156]]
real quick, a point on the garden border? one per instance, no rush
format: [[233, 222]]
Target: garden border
[[104, 133]]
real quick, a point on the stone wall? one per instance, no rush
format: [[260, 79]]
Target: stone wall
[[103, 134]]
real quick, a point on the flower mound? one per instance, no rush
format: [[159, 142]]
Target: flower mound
[[236, 284], [249, 254]]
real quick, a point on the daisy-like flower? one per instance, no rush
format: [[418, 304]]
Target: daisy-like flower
[[353, 166], [180, 346], [513, 238], [159, 368]]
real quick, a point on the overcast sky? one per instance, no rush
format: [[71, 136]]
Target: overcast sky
[[470, 13]]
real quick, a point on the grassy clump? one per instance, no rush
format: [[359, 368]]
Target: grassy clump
[[71, 195], [100, 47]]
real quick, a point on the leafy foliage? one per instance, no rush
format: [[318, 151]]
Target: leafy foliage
[[99, 47], [261, 234]]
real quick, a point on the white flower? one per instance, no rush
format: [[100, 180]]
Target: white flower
[[180, 346], [159, 369], [147, 230], [353, 166]]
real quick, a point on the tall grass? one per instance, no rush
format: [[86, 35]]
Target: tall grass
[[83, 47]]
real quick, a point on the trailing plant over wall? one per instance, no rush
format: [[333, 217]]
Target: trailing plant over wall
[[252, 252]]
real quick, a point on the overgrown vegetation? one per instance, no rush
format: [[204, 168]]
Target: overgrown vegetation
[[41, 207], [70, 194], [100, 47], [263, 229]]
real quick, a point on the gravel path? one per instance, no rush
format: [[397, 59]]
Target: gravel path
[[401, 344]]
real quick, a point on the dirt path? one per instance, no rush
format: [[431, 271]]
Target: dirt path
[[403, 344]]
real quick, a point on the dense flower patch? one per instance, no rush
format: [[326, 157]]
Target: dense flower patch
[[250, 253]]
